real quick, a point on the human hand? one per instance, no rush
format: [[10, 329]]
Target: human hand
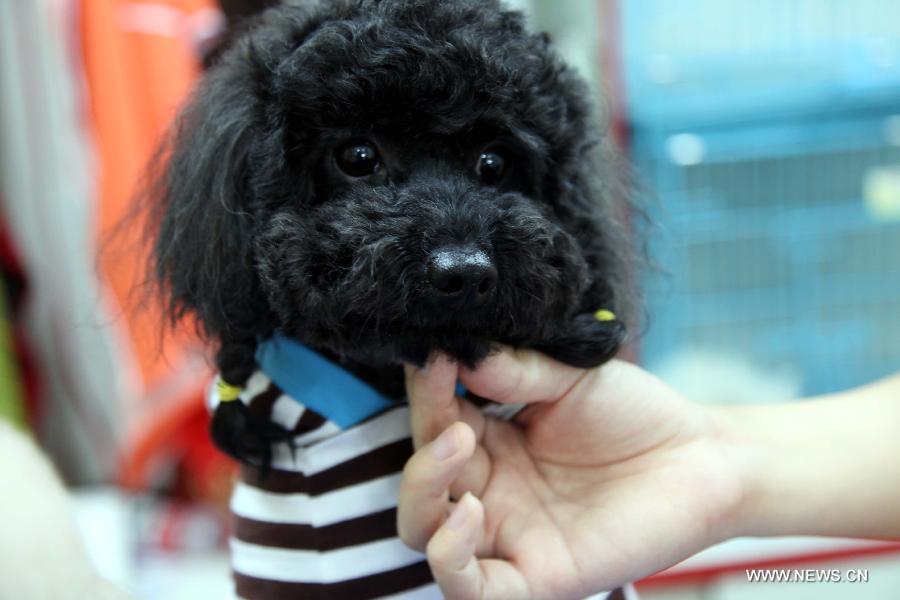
[[605, 477]]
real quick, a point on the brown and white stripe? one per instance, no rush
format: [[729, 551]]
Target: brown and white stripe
[[322, 522]]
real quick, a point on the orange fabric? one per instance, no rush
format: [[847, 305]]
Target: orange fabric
[[140, 61]]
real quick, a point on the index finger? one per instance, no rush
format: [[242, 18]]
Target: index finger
[[433, 405]]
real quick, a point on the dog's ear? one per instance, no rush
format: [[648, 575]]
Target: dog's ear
[[235, 428], [203, 194], [587, 341], [204, 228], [203, 224], [594, 193], [205, 208]]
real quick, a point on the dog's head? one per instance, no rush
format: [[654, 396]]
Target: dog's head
[[379, 179]]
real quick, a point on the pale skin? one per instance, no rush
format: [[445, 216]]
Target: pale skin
[[608, 475]]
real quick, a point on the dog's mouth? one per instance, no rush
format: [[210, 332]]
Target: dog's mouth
[[458, 299], [468, 345], [466, 328], [465, 319]]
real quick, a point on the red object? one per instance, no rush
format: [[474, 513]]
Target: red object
[[140, 62]]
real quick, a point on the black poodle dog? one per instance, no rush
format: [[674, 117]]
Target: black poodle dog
[[378, 180]]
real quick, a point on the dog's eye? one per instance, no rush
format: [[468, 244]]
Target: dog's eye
[[358, 159], [491, 166]]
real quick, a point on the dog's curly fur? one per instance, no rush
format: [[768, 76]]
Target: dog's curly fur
[[257, 228]]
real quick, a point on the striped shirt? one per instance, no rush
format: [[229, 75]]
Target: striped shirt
[[322, 523]]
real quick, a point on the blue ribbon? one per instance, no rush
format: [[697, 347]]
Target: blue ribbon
[[318, 383]]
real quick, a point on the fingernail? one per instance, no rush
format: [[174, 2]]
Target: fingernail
[[444, 446], [460, 514]]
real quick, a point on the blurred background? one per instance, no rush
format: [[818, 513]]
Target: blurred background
[[765, 140]]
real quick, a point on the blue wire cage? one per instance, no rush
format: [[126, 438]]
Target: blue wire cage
[[700, 61], [779, 222]]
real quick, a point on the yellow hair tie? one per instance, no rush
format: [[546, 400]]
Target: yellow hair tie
[[228, 392], [605, 315]]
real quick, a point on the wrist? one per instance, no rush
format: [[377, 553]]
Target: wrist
[[742, 454], [794, 465], [821, 466], [774, 464]]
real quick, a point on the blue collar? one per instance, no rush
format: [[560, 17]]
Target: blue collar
[[318, 383]]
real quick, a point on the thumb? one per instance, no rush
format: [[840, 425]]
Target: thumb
[[523, 376]]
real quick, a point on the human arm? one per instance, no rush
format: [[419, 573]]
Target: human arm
[[822, 466]]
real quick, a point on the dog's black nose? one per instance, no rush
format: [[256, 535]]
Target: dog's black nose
[[462, 275]]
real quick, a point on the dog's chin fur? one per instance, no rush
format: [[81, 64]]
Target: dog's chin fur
[[257, 229]]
